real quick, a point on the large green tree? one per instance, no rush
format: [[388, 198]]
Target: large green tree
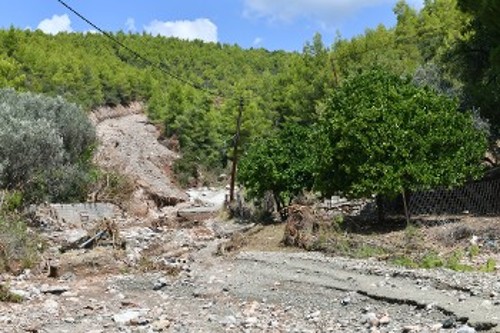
[[478, 57], [280, 163], [381, 134]]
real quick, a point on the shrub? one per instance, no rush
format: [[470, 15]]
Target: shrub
[[45, 146], [111, 187], [18, 248]]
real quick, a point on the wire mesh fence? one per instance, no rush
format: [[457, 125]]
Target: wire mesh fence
[[477, 198]]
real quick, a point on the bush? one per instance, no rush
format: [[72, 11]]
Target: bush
[[10, 201], [18, 248], [111, 187], [45, 146]]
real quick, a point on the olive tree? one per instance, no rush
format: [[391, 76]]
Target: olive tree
[[40, 137], [380, 134]]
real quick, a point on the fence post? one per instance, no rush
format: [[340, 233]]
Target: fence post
[[405, 203]]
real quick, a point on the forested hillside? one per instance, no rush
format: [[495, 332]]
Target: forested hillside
[[193, 89]]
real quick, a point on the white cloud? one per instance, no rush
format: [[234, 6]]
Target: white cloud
[[130, 24], [418, 4], [56, 24], [319, 10], [202, 28], [257, 41]]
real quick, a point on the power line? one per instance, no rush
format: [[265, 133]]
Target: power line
[[158, 65]]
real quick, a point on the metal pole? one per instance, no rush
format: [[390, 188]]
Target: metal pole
[[235, 152]]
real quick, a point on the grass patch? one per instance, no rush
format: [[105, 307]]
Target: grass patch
[[454, 262], [7, 296], [489, 266], [413, 238], [431, 260], [474, 251], [19, 248], [368, 251], [405, 261]]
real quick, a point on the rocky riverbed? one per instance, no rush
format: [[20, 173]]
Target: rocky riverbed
[[109, 290]]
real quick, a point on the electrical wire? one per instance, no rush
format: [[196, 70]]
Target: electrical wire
[[161, 66]]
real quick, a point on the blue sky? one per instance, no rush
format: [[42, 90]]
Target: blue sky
[[272, 24]]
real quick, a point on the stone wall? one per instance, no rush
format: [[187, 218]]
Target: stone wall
[[76, 213]]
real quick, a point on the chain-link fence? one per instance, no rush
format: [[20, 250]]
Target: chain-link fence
[[476, 198]]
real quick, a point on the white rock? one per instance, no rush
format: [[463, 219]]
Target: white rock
[[370, 319], [384, 320], [314, 315], [466, 329], [51, 306], [228, 320], [250, 322], [21, 293], [161, 325], [411, 329], [56, 290], [436, 327], [124, 318]]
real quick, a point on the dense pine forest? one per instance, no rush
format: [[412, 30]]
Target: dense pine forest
[[446, 53]]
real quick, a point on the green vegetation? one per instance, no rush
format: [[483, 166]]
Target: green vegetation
[[19, 249], [384, 135], [452, 261], [367, 251], [279, 163], [110, 187], [45, 148], [322, 118], [478, 57], [7, 296], [490, 266], [474, 251], [405, 261], [431, 260]]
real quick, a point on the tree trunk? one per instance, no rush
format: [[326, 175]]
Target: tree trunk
[[280, 207], [380, 208]]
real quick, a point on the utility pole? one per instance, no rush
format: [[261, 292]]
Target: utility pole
[[235, 152]]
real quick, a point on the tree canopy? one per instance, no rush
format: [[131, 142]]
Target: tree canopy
[[478, 58], [192, 90], [280, 163], [385, 135]]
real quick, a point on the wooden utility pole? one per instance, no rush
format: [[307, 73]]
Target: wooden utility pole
[[235, 152]]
